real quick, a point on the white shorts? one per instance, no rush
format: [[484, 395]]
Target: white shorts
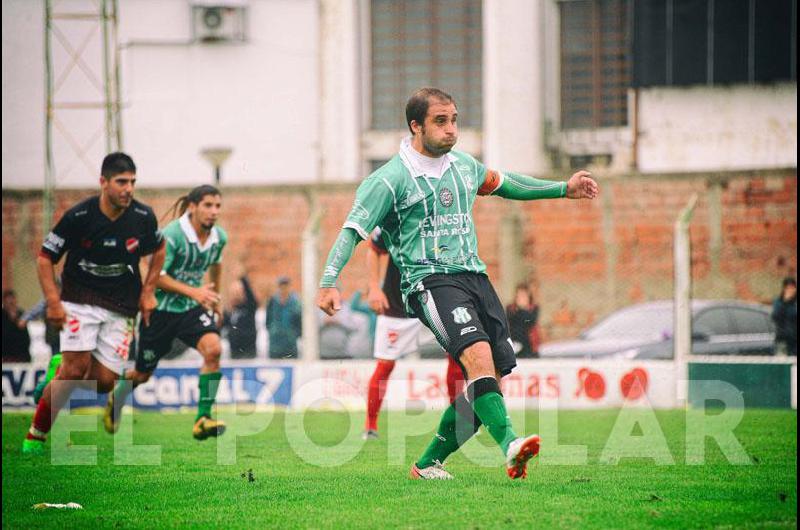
[[397, 337], [105, 333]]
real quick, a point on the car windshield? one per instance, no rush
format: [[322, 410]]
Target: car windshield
[[639, 323]]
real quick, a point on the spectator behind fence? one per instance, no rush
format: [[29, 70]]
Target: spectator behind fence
[[51, 332], [284, 321], [359, 304], [335, 333], [784, 314], [240, 319], [523, 316], [16, 340]]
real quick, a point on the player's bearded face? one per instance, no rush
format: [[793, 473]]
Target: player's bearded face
[[440, 131], [206, 212], [119, 189]]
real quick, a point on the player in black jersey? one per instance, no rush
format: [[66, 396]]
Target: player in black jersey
[[396, 334], [104, 238]]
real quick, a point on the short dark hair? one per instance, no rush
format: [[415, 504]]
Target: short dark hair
[[116, 163], [789, 281], [418, 103]]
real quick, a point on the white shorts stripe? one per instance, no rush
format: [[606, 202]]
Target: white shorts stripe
[[436, 320]]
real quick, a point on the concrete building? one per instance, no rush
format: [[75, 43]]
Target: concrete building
[[299, 93]]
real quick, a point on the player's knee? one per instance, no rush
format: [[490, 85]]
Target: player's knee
[[210, 348], [477, 360], [75, 369], [212, 354]]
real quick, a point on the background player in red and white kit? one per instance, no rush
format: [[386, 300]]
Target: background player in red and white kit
[[396, 334], [104, 237]]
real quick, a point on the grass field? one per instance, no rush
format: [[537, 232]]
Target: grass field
[[269, 485]]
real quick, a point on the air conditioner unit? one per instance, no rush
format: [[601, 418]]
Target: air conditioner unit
[[219, 22]]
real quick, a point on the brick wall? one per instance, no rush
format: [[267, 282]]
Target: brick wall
[[582, 258]]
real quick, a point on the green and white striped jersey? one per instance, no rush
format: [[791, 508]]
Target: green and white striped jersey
[[427, 222], [187, 261]]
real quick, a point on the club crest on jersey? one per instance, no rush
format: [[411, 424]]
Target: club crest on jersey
[[446, 197], [461, 315], [132, 244], [74, 325]]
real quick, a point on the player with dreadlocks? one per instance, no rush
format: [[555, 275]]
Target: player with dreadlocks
[[186, 306]]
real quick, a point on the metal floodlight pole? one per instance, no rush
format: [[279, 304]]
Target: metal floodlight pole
[[49, 170], [117, 83], [107, 78]]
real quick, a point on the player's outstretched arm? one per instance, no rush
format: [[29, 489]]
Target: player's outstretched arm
[[581, 185], [328, 298], [524, 188]]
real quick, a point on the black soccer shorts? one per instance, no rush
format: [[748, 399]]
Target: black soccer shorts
[[462, 309], [155, 340]]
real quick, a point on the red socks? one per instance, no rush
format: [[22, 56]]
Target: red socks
[[378, 384], [42, 420], [377, 389], [455, 379]]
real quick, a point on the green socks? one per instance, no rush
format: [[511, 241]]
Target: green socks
[[121, 390], [52, 368], [463, 418], [491, 409], [208, 393], [457, 425]]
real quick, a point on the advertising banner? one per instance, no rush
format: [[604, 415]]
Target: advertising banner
[[173, 385], [534, 383]]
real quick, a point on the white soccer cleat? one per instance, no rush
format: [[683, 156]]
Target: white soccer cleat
[[519, 452], [434, 472]]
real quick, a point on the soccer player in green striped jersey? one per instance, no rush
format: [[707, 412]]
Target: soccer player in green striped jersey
[[187, 308], [423, 199]]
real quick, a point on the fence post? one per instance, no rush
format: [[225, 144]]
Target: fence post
[[310, 260], [682, 319]]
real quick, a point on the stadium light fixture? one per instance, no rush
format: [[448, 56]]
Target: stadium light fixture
[[216, 156]]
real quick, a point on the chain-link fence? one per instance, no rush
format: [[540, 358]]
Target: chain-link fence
[[582, 259]]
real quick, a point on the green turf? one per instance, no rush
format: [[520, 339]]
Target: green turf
[[269, 485]]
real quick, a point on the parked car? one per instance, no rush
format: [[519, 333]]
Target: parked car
[[645, 331]]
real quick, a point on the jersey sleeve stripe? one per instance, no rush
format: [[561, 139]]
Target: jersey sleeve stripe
[[527, 187], [359, 230]]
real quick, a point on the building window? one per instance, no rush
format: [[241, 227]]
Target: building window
[[595, 71], [713, 42], [419, 43]]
